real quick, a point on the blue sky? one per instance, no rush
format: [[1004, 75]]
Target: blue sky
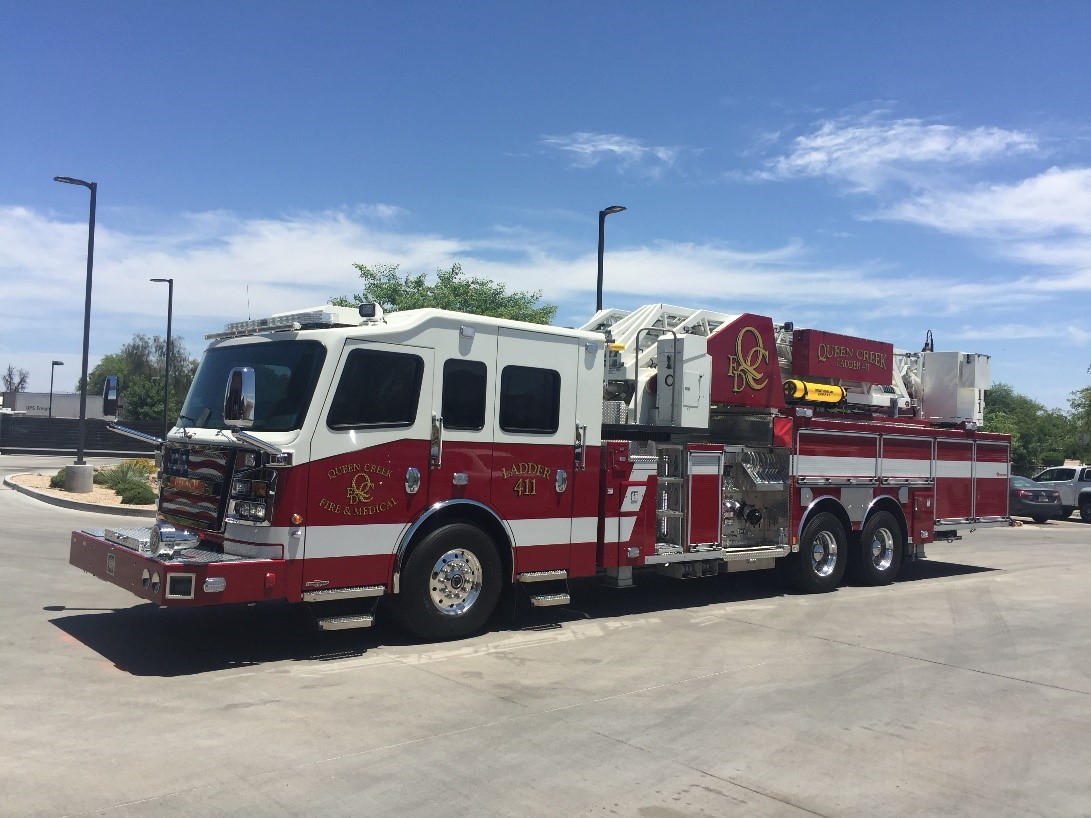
[[872, 169]]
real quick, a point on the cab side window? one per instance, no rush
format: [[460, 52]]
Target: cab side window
[[464, 395], [377, 388], [530, 400]]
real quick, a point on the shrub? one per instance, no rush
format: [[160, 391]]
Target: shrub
[[127, 471], [135, 493], [57, 480]]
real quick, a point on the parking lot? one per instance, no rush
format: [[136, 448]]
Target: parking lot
[[963, 689]]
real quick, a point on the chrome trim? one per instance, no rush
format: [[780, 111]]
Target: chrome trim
[[283, 456], [359, 592], [803, 518], [340, 623], [733, 555], [412, 480], [122, 430], [444, 505], [548, 600], [192, 585], [561, 481], [543, 576], [436, 442]]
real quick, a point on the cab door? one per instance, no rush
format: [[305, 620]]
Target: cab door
[[462, 457], [532, 470], [369, 464]]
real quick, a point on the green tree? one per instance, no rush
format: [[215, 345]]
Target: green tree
[[1040, 436], [139, 368], [15, 380], [1079, 416], [451, 291]]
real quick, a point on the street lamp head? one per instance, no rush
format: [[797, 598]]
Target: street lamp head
[[69, 180], [58, 363], [162, 280], [612, 209]]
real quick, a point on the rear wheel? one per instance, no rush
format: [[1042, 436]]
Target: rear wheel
[[879, 556], [449, 584], [1085, 512], [820, 563], [1039, 519]]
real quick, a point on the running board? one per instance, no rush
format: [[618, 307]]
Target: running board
[[548, 600], [665, 557], [543, 576], [330, 594], [340, 623]]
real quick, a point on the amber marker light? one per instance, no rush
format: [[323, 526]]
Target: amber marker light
[[297, 519]]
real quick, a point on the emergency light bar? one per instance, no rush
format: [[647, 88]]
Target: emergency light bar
[[322, 317]]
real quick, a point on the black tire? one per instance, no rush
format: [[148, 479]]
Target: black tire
[[1085, 512], [877, 557], [449, 584], [823, 554], [1039, 520]]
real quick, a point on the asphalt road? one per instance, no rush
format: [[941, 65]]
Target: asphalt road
[[963, 689]]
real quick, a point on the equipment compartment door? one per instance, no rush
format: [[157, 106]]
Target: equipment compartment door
[[369, 464], [533, 477]]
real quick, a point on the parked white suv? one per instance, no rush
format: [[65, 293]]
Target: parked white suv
[[1074, 484]]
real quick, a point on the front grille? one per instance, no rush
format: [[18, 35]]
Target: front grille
[[195, 485]]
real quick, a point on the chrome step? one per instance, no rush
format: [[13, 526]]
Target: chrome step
[[358, 592], [547, 600], [543, 576], [340, 623]]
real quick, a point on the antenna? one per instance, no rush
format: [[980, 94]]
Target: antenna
[[247, 302]]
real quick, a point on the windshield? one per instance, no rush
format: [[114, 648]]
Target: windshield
[[285, 373]]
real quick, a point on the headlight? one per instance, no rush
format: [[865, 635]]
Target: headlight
[[250, 510]]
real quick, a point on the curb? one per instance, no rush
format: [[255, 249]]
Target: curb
[[76, 505]]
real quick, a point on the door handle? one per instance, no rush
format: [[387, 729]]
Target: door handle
[[436, 442]]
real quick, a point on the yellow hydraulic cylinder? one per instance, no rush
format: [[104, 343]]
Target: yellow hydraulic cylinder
[[795, 389]]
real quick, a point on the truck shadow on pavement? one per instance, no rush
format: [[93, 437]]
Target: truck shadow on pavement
[[145, 640]]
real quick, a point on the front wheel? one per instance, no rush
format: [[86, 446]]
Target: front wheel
[[1039, 519], [878, 558], [820, 563], [450, 583]]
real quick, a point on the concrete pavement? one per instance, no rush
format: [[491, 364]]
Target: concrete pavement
[[964, 689]]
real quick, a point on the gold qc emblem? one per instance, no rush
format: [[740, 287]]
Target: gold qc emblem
[[743, 365], [359, 490]]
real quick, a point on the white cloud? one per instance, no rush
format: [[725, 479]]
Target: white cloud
[[1057, 201], [1013, 332], [868, 151], [586, 150], [226, 267]]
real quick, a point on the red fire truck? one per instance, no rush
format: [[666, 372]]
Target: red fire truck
[[418, 462]]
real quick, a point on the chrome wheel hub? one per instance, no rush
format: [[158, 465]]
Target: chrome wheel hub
[[882, 549], [456, 582], [824, 553]]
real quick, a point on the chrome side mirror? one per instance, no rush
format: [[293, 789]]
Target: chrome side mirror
[[239, 397]]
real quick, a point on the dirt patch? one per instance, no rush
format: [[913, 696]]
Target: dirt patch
[[99, 495]]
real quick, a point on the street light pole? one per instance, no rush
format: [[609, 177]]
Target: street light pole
[[602, 243], [52, 369], [81, 431], [166, 365]]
